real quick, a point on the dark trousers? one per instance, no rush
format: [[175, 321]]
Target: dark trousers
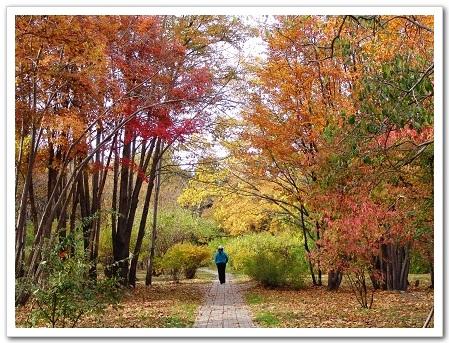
[[221, 267]]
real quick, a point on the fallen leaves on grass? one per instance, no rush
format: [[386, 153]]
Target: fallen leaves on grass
[[319, 308], [164, 304]]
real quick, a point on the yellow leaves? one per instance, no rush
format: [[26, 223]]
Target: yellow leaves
[[236, 206], [203, 186], [238, 214], [400, 35]]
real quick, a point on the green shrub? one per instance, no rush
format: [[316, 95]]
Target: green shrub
[[186, 258], [276, 268], [273, 260], [66, 293]]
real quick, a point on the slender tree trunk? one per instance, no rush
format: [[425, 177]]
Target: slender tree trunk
[[95, 207], [75, 201], [33, 207], [121, 252], [143, 219], [20, 156], [149, 277], [429, 318], [51, 178], [376, 267], [114, 203], [62, 222], [72, 219], [21, 219], [131, 175], [93, 247], [85, 207], [306, 247], [318, 236]]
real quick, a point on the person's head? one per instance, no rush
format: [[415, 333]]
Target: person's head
[[220, 248]]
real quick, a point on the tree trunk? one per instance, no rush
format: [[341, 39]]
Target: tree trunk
[[334, 278], [149, 277], [114, 202], [143, 219], [318, 236], [51, 178], [375, 278], [431, 276], [306, 247], [21, 217], [95, 208], [121, 251], [83, 191], [134, 197], [19, 157], [395, 265], [33, 207]]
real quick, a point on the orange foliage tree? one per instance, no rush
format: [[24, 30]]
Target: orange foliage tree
[[343, 106], [96, 94]]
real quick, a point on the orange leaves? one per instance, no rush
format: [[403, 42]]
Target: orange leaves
[[147, 24], [64, 126]]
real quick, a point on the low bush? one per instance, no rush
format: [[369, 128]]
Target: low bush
[[274, 260], [185, 258], [66, 293]]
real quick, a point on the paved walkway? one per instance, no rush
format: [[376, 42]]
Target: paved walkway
[[224, 307]]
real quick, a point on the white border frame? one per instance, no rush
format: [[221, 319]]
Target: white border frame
[[437, 331]]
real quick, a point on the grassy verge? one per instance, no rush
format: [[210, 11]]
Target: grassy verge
[[314, 307]]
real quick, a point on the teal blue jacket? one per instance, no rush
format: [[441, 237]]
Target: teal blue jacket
[[221, 257]]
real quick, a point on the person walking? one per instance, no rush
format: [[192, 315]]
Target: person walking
[[220, 260]]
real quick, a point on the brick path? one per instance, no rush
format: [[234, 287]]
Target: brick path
[[224, 307]]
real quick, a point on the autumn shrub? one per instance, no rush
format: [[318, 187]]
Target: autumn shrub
[[66, 293], [358, 283], [274, 260], [185, 258], [181, 225]]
